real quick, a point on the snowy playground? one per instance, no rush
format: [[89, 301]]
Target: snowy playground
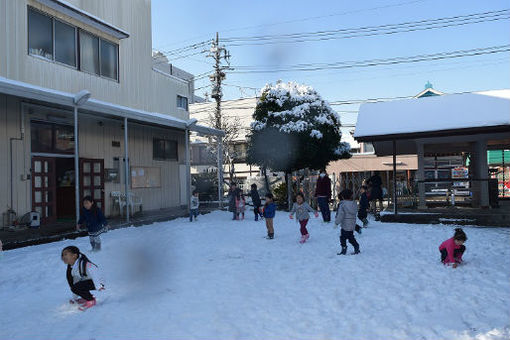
[[221, 279]]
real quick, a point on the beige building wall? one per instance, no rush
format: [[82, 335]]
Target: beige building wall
[[139, 86], [96, 136]]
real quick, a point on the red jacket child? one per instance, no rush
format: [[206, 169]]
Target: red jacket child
[[453, 248]]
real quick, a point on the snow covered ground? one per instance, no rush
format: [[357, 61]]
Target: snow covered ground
[[220, 279]]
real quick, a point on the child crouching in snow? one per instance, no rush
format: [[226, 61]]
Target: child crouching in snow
[[346, 218], [269, 211], [82, 276], [301, 209], [453, 248]]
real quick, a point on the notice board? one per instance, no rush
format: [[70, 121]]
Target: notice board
[[145, 177]]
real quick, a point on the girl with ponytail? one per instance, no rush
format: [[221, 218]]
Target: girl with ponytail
[[82, 276]]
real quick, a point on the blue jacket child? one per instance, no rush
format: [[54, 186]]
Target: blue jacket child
[[269, 213], [93, 218]]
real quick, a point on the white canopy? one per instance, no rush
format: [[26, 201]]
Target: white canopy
[[404, 119]]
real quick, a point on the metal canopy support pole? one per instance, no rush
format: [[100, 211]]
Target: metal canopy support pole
[[395, 177], [126, 167], [220, 173], [76, 165], [188, 172]]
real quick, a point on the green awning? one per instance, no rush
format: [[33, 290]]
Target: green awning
[[496, 157]]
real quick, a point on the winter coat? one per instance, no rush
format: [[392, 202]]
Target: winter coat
[[233, 194], [346, 215], [301, 211], [363, 206], [94, 220], [83, 270], [375, 183], [450, 246], [255, 198], [195, 203], [323, 187], [269, 210]]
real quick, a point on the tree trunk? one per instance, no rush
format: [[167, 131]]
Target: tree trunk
[[306, 186], [266, 180], [288, 179]]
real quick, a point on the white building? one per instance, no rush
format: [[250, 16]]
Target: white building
[[53, 49], [238, 111]]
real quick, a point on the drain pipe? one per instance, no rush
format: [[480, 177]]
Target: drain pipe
[[11, 140]]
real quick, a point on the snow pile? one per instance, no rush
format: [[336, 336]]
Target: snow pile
[[220, 279]]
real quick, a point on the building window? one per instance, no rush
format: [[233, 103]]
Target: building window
[[109, 59], [89, 53], [55, 40], [368, 148], [40, 34], [164, 149], [65, 43], [182, 102], [52, 138]]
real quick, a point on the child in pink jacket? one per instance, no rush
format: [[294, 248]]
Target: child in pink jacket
[[453, 248]]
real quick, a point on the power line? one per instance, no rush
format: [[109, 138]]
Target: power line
[[370, 30], [295, 20], [375, 62]]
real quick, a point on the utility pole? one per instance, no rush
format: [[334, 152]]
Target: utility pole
[[219, 53]]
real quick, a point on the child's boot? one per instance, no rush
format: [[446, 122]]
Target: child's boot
[[358, 229], [343, 252], [303, 239], [365, 222], [88, 304], [356, 250], [270, 236]]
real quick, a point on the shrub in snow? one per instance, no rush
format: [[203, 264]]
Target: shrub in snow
[[294, 128]]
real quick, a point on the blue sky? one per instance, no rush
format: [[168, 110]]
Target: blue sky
[[176, 24]]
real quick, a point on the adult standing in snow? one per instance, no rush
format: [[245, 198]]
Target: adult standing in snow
[[376, 193], [255, 199], [234, 194], [323, 195]]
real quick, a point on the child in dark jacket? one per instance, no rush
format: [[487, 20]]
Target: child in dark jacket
[[255, 199], [82, 276], [269, 211], [364, 205], [93, 218], [452, 249]]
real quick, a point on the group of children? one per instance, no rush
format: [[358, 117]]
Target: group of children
[[82, 274]]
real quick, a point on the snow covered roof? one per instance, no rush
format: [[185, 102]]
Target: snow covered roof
[[29, 91], [422, 116], [84, 17]]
